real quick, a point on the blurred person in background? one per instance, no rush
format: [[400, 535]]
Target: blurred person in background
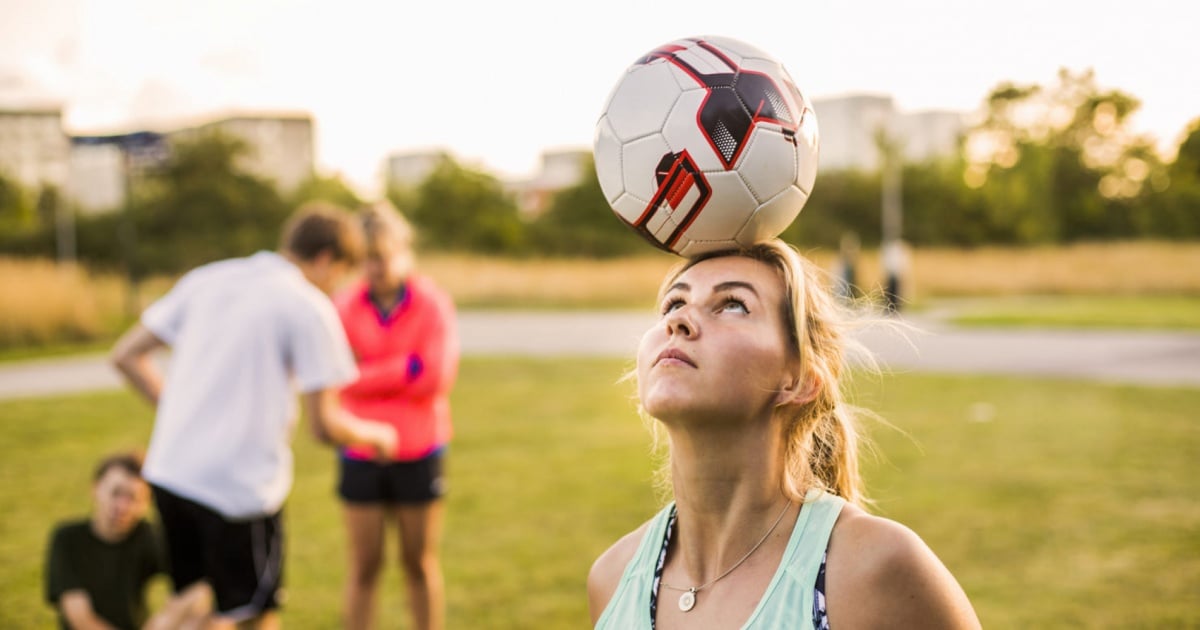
[[98, 568], [895, 259], [767, 527], [845, 272], [402, 329], [245, 334]]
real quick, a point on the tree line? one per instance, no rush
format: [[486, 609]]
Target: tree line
[[1046, 164]]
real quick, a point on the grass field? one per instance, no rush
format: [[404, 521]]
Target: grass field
[[1055, 503], [1174, 312]]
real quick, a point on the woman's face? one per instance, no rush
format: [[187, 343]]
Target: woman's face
[[720, 349], [389, 261]]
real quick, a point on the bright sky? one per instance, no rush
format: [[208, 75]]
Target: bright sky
[[496, 83]]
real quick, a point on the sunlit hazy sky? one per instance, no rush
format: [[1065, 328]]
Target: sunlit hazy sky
[[496, 83]]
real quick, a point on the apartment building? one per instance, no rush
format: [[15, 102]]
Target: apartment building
[[281, 147], [559, 169], [408, 169], [849, 124], [34, 150]]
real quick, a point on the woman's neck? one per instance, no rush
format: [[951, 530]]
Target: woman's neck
[[386, 297], [727, 493]]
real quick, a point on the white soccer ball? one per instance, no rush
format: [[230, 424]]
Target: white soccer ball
[[705, 144]]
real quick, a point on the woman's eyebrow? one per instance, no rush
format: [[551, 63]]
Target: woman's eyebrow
[[681, 286], [735, 284]]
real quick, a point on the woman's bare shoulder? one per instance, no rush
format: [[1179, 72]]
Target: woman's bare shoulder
[[885, 564], [606, 571]]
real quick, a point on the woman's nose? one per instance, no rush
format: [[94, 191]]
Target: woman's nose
[[679, 322]]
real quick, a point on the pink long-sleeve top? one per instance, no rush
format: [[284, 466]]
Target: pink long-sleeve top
[[407, 362]]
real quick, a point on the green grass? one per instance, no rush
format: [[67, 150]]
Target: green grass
[[1167, 312], [1055, 503], [56, 350]]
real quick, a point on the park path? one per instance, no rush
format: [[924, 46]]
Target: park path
[[1135, 357]]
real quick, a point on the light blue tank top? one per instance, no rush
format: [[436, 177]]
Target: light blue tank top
[[788, 600]]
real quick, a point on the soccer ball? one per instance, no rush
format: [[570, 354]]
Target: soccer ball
[[705, 144]]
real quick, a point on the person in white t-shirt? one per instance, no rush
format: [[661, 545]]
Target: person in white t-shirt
[[245, 335]]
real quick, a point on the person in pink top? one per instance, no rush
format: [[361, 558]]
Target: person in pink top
[[402, 329]]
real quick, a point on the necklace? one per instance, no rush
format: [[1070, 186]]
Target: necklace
[[687, 600]]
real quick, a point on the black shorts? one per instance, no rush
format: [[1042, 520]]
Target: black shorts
[[413, 482], [241, 559]]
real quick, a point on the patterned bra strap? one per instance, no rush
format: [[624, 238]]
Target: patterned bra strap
[[658, 568]]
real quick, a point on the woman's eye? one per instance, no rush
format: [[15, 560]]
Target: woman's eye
[[671, 305], [735, 305]]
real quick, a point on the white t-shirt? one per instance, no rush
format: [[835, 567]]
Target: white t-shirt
[[245, 334]]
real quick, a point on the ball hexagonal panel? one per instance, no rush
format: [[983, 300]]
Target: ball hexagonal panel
[[641, 101], [768, 165], [606, 148]]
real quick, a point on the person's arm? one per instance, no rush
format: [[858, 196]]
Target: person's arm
[[431, 368], [881, 574], [331, 424], [76, 607], [384, 376], [188, 610], [132, 356]]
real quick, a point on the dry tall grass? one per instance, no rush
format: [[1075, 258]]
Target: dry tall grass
[[1132, 268], [478, 281], [43, 302]]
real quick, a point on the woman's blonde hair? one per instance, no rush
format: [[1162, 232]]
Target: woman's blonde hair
[[381, 220], [821, 437]]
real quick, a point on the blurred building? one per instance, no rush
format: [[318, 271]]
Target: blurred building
[[279, 149], [100, 167], [409, 169], [280, 145], [34, 149], [930, 134], [849, 124], [560, 168], [97, 175]]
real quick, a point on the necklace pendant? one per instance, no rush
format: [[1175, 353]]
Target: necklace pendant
[[688, 600]]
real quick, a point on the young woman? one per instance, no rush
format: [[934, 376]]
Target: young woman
[[401, 327], [767, 527]]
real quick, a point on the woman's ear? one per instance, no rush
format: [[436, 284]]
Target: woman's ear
[[798, 390]]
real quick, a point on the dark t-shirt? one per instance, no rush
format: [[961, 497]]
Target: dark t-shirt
[[114, 575]]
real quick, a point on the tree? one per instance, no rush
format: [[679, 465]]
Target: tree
[[332, 189], [841, 201], [940, 209], [16, 211], [200, 207], [1058, 163], [457, 208], [580, 222], [1173, 208], [1186, 166]]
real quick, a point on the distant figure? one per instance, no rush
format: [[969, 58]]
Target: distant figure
[[402, 329], [244, 334], [895, 266], [846, 278], [97, 568]]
